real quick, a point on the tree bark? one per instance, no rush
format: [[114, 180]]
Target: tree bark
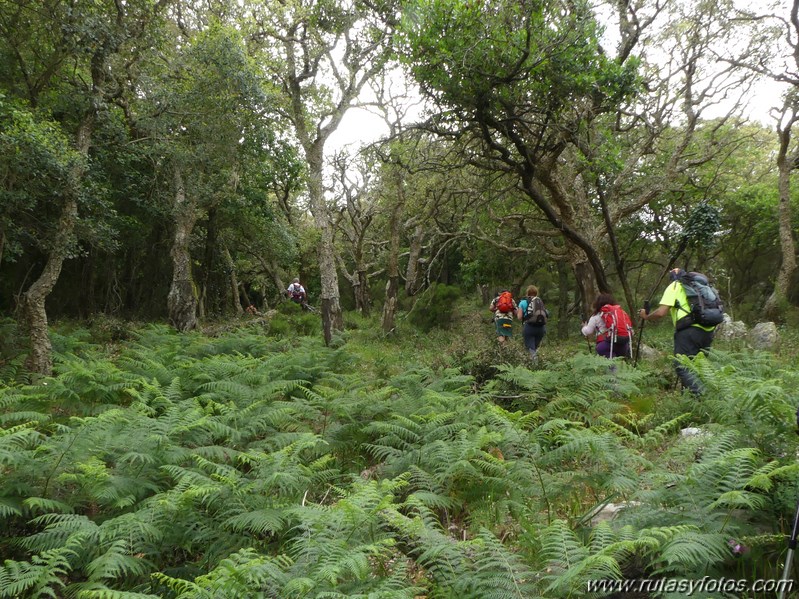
[[392, 285], [584, 276], [2, 244], [243, 291], [208, 266], [412, 272], [618, 260], [332, 319], [563, 301], [362, 295], [234, 281], [40, 358], [34, 314], [785, 164], [182, 298]]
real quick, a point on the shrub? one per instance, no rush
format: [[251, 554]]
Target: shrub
[[307, 324], [279, 325], [107, 329], [289, 308], [434, 307]]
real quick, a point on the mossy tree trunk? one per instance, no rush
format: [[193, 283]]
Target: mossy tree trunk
[[786, 162], [392, 285], [182, 298], [34, 314]]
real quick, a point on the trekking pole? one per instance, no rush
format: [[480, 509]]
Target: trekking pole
[[612, 340], [640, 335], [584, 320], [789, 557], [672, 260]]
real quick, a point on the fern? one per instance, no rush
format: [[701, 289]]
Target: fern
[[500, 572], [242, 574], [116, 562], [41, 577], [242, 466], [99, 591]]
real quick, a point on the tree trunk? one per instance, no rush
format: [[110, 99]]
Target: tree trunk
[[331, 307], [618, 260], [182, 298], [274, 272], [332, 319], [785, 163], [234, 282], [208, 266], [392, 285], [245, 295], [563, 301], [89, 306], [362, 295], [34, 314], [584, 277], [485, 294], [415, 251], [40, 358]]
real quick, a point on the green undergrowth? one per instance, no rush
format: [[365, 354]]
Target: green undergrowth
[[251, 463]]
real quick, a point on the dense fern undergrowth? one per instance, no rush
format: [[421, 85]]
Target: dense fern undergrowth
[[255, 464]]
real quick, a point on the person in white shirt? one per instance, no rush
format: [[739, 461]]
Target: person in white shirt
[[296, 292]]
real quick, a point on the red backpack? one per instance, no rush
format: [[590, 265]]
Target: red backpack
[[505, 302], [617, 322]]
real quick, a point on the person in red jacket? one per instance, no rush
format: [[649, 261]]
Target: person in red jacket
[[611, 325]]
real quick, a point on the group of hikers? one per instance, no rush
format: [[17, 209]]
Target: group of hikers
[[694, 306]]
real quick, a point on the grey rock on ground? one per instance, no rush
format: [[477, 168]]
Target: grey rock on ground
[[731, 329], [649, 353], [764, 335]]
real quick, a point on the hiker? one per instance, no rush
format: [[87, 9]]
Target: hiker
[[534, 315], [296, 292], [693, 321], [503, 308], [612, 327]]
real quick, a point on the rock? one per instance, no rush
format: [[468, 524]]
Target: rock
[[610, 510], [693, 431], [764, 335], [648, 353], [731, 329]]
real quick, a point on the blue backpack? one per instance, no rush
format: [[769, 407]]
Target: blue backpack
[[705, 306]]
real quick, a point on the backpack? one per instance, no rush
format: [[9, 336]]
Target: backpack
[[705, 307], [617, 322], [505, 302], [536, 313], [296, 291]]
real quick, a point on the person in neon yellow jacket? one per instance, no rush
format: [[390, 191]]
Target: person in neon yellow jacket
[[689, 341]]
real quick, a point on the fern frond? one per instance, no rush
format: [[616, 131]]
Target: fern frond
[[259, 522], [41, 577], [692, 552], [116, 563], [100, 591]]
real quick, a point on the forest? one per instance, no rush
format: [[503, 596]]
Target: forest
[[171, 425]]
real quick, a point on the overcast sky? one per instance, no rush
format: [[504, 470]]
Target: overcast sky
[[360, 127]]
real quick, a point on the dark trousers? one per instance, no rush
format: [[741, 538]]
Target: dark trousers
[[621, 349], [689, 342], [533, 334]]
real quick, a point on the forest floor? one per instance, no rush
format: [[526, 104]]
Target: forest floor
[[249, 456]]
